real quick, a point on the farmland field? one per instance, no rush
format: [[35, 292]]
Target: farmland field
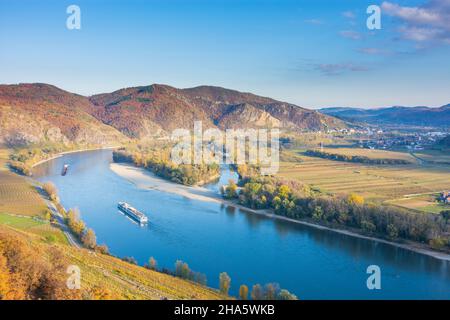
[[17, 196], [34, 226], [371, 154], [434, 156], [3, 158], [374, 182], [425, 203]]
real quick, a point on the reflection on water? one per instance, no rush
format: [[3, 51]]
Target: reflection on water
[[214, 238]]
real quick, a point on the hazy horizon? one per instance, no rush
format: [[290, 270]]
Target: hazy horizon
[[234, 89]]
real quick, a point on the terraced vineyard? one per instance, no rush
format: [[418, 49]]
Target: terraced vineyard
[[129, 281], [107, 277], [380, 182], [3, 158], [19, 197]]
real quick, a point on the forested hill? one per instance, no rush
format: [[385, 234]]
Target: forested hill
[[33, 113], [413, 116]]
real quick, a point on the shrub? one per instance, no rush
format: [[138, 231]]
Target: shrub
[[20, 168], [50, 190]]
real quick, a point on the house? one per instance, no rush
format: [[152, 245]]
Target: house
[[445, 197]]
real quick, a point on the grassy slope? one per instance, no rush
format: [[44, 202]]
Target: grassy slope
[[20, 204], [121, 279], [377, 183], [44, 229]]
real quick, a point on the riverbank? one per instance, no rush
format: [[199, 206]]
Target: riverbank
[[58, 155], [144, 179]]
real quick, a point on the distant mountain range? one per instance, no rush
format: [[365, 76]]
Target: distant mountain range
[[411, 116], [40, 112]]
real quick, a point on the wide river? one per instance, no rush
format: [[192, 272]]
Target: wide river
[[212, 238]]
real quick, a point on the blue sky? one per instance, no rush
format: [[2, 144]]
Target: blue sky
[[312, 53]]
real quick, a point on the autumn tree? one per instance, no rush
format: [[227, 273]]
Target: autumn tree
[[89, 239], [257, 292], [224, 283], [4, 278], [75, 223], [103, 249], [231, 190], [182, 269], [152, 264], [271, 290], [286, 295], [50, 190], [355, 199], [243, 292]]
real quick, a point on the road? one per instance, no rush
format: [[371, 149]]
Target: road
[[62, 224]]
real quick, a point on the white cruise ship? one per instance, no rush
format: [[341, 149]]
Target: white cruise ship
[[132, 212]]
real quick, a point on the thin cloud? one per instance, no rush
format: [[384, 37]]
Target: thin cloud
[[333, 69], [422, 24], [314, 21], [349, 14], [351, 34], [374, 51]]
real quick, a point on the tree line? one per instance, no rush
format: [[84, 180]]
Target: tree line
[[20, 168], [297, 201], [72, 218], [270, 291], [160, 164], [352, 158]]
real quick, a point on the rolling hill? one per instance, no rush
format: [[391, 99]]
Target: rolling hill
[[32, 267], [141, 111], [32, 113], [412, 116]]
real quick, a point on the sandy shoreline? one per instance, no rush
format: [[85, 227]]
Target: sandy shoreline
[[144, 179]]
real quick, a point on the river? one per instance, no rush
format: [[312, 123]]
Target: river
[[212, 238]]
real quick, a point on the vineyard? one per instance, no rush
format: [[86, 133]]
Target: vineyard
[[19, 197], [102, 276], [375, 182]]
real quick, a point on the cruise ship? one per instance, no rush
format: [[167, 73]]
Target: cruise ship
[[132, 212]]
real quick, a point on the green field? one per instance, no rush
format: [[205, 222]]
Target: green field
[[38, 227], [375, 182]]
